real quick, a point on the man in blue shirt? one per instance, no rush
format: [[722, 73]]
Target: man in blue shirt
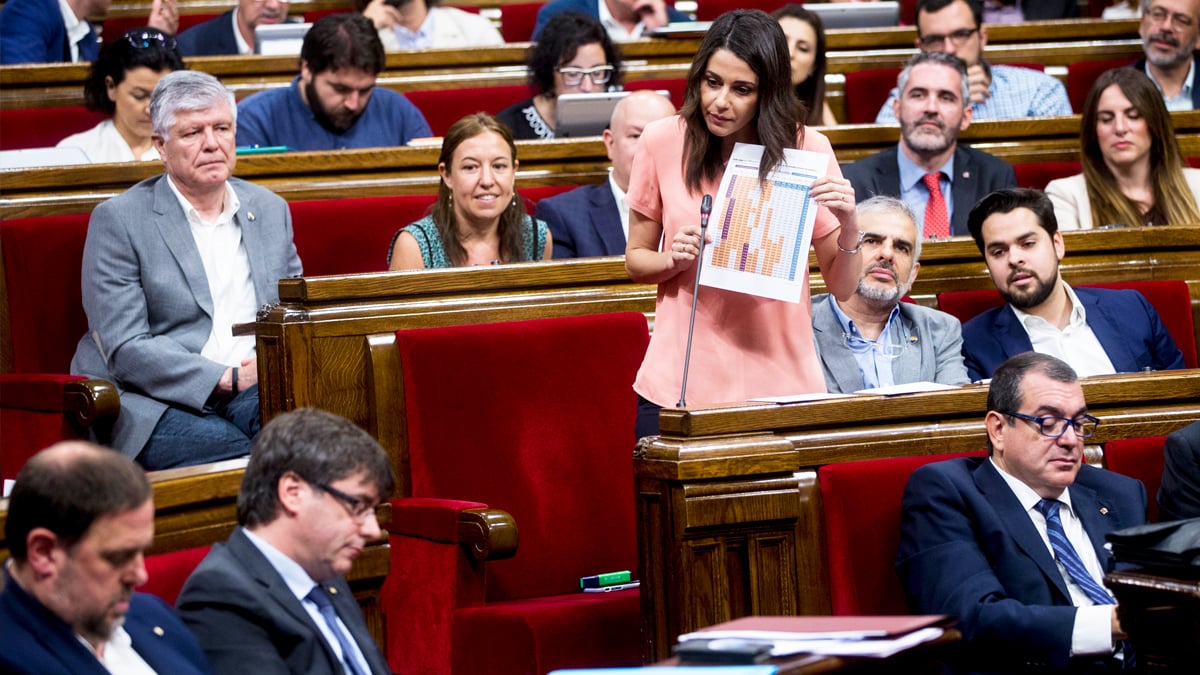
[[333, 104]]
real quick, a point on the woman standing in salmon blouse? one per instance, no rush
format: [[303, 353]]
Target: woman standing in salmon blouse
[[738, 90]]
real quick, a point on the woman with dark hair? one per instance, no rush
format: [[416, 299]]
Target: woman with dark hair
[[119, 83], [744, 346], [478, 218], [805, 36], [1133, 169], [573, 54]]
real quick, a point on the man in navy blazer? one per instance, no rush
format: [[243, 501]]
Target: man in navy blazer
[[79, 522], [989, 540], [1097, 331], [593, 220], [273, 597], [623, 19], [1170, 45], [933, 107], [44, 31], [232, 32]]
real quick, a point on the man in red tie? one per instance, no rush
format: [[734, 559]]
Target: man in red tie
[[938, 179]]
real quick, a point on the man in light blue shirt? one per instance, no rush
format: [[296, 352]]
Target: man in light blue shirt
[[1170, 31], [273, 597]]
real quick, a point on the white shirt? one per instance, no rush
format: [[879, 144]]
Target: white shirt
[[1076, 344], [227, 268], [622, 204], [119, 655], [242, 46], [615, 30], [1092, 632], [76, 29], [103, 143], [300, 584]]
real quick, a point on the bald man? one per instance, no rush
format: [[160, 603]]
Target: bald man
[[593, 220]]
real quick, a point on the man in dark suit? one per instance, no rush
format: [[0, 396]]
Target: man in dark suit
[[232, 32], [593, 220], [1097, 331], [79, 522], [1179, 495], [172, 265], [938, 179], [1012, 11], [1013, 544], [273, 597], [47, 31], [1170, 31]]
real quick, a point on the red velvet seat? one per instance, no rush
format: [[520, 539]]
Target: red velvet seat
[[115, 27], [709, 10], [861, 506], [1140, 458], [1169, 297], [166, 572], [44, 127], [517, 20], [515, 426], [1081, 75], [866, 91], [676, 86], [1036, 175], [444, 107]]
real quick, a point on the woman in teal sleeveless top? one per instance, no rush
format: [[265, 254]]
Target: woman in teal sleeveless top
[[478, 218]]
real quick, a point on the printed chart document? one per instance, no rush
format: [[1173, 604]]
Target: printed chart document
[[761, 232]]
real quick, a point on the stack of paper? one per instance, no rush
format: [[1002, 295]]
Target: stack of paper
[[871, 636]]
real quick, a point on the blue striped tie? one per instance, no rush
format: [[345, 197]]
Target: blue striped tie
[[325, 604], [1066, 555]]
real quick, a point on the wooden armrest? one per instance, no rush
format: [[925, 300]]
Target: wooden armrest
[[91, 402], [488, 534]]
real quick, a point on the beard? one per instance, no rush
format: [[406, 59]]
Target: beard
[[922, 141], [1179, 56], [338, 121], [1031, 297], [883, 297]]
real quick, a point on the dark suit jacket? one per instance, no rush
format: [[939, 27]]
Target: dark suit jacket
[[1124, 322], [590, 8], [250, 622], [1141, 66], [976, 174], [583, 222], [34, 641], [211, 38], [32, 31], [1040, 10], [1179, 495], [968, 549]]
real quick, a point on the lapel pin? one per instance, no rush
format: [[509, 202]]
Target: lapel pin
[[159, 631], [966, 174], [250, 215], [1103, 511], [332, 590]]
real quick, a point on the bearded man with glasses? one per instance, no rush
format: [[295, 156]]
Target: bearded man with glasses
[[1170, 31], [997, 92], [273, 597], [1013, 544]]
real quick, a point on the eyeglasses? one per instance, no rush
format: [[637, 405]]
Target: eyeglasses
[[1162, 15], [573, 76], [958, 38], [888, 350], [1054, 427], [146, 39], [358, 507]]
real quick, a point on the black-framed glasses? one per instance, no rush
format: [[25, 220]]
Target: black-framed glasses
[[1054, 427], [357, 506], [958, 38], [144, 39], [574, 76]]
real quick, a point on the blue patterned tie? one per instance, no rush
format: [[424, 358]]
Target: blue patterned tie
[[325, 605], [1066, 555]]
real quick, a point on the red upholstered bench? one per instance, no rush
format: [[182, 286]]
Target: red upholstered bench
[[166, 572], [44, 127], [518, 19], [1140, 458], [444, 107], [523, 426], [1036, 175]]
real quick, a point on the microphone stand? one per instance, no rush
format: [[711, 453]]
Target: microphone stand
[[705, 211]]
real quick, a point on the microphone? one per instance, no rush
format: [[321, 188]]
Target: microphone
[[705, 212]]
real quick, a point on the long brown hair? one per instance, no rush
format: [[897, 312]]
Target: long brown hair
[[1173, 198], [512, 220], [756, 38], [811, 92]]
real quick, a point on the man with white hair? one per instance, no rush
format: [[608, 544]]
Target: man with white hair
[[172, 265], [873, 339]]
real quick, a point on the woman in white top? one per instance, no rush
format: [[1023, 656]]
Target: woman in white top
[[1133, 170], [119, 84], [420, 24]]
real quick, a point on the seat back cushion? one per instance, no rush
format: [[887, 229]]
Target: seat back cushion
[[166, 572], [44, 127], [518, 19], [349, 236], [861, 506], [443, 107], [1140, 458], [966, 305], [535, 418], [866, 91]]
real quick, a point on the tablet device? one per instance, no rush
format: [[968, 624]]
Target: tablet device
[[856, 14], [34, 157], [577, 115], [280, 39], [681, 29]]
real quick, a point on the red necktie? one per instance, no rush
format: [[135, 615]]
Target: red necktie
[[937, 221]]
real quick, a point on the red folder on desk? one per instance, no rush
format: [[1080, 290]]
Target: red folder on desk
[[821, 627]]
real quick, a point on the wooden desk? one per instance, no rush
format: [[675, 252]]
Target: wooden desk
[[729, 513], [1161, 614]]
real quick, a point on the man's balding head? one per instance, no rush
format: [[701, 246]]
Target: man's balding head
[[629, 117]]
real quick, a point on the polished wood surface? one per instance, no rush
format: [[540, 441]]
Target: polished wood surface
[[1161, 614], [729, 513]]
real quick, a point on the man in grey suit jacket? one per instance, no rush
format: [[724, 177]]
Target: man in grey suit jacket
[[593, 220], [933, 107], [873, 339], [272, 598], [171, 265]]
